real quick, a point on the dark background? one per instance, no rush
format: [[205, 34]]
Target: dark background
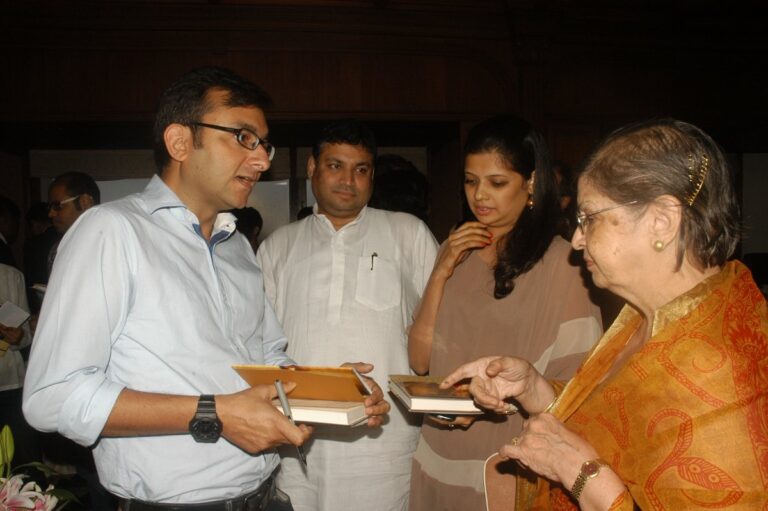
[[86, 75]]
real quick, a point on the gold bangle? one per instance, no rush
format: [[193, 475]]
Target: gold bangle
[[551, 405]]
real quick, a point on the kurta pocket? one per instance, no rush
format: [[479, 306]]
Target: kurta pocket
[[378, 283]]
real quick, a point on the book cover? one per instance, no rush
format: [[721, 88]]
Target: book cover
[[12, 315], [323, 395], [423, 394], [312, 382]]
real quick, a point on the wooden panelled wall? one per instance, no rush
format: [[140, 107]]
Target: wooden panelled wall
[[86, 75]]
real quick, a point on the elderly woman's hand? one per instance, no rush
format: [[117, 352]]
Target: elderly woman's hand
[[495, 379], [550, 449]]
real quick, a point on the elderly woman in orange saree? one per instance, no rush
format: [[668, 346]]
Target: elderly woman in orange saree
[[670, 409]]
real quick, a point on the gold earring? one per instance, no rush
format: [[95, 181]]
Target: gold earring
[[529, 202], [658, 245]]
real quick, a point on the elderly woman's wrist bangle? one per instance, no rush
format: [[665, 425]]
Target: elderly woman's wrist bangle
[[551, 405]]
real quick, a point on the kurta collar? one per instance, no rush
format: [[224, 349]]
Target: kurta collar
[[320, 216]]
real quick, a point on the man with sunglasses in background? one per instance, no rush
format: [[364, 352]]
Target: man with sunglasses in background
[[136, 341], [69, 196]]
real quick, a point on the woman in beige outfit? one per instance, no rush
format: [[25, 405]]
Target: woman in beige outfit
[[502, 282]]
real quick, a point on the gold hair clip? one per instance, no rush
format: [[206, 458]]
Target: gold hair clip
[[696, 179]]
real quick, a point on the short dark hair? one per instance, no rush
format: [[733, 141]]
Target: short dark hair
[[643, 161], [399, 186], [248, 220], [9, 209], [10, 216], [78, 183], [523, 150], [304, 212], [37, 212], [346, 131], [185, 102]]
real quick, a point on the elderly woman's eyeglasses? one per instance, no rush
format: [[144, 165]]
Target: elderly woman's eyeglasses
[[244, 137], [583, 220], [59, 204]]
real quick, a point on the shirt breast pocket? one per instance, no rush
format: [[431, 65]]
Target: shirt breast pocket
[[378, 283]]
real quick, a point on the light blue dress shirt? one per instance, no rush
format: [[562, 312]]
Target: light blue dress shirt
[[138, 299]]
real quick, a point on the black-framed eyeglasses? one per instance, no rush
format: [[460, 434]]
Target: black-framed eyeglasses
[[245, 137], [583, 220], [59, 204]]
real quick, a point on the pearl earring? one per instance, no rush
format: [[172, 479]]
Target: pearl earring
[[658, 245]]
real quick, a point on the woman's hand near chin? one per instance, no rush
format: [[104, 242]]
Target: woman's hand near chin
[[466, 237]]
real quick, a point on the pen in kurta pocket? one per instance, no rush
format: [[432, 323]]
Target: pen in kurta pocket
[[372, 256]]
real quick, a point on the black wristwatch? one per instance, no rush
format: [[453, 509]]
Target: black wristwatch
[[205, 426]]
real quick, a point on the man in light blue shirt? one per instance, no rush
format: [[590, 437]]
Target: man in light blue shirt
[[152, 299]]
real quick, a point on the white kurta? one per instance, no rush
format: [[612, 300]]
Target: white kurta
[[348, 296]]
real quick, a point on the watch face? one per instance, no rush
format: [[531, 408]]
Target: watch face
[[206, 429], [590, 468]]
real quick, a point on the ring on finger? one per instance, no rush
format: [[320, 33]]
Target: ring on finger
[[509, 409]]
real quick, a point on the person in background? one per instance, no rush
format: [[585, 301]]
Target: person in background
[[12, 369], [70, 195], [567, 189], [39, 240], [399, 186], [10, 216], [304, 212], [502, 281], [151, 302], [669, 410], [249, 223], [344, 282]]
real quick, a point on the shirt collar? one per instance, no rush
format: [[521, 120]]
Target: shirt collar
[[157, 196]]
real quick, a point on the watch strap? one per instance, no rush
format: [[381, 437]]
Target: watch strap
[[588, 470], [205, 426], [206, 405]]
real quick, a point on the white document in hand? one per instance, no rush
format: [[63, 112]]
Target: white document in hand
[[12, 315]]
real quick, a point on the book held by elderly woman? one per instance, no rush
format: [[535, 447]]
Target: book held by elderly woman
[[422, 394]]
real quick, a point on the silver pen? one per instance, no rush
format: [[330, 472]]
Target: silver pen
[[287, 411]]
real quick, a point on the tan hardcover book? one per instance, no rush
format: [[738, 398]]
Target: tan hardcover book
[[341, 413], [423, 394], [324, 395]]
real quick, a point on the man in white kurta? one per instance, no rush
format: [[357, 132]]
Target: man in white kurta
[[344, 283]]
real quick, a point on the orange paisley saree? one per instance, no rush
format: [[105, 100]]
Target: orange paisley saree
[[685, 422]]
